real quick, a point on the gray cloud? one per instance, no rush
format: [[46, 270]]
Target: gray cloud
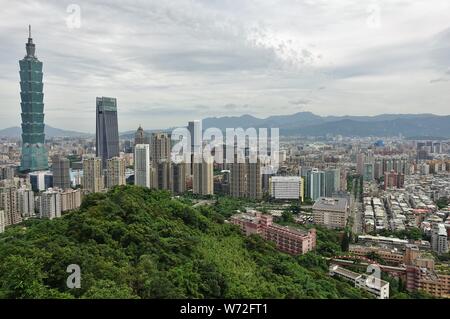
[[170, 61]]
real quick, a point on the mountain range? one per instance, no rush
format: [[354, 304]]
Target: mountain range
[[309, 124], [15, 132]]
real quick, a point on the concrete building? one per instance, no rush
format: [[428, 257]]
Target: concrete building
[[26, 202], [41, 180], [61, 172], [331, 212], [178, 178], [142, 169], [9, 204], [70, 199], [92, 175], [115, 172], [203, 177], [49, 204], [2, 221], [371, 284], [160, 147], [245, 178], [140, 137], [290, 240], [439, 240], [286, 187], [7, 172]]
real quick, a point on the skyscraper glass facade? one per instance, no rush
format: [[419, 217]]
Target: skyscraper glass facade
[[107, 130], [34, 154]]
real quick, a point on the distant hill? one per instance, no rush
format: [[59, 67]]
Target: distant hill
[[309, 124], [16, 132]]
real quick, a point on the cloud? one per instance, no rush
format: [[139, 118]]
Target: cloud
[[300, 102], [170, 61]]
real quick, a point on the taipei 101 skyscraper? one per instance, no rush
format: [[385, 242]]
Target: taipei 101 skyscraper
[[34, 153]]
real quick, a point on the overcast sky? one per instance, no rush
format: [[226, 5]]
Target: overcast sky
[[168, 62]]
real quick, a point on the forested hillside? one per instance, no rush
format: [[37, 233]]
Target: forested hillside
[[137, 243]]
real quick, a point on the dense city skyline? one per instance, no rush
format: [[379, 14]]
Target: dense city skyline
[[205, 58]]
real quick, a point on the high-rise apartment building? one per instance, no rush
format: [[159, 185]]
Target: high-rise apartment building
[[160, 147], [246, 178], [2, 221], [140, 137], [9, 204], [70, 199], [92, 175], [61, 172], [26, 202], [107, 130], [6, 172], [203, 177], [34, 154], [115, 172], [178, 178], [49, 204], [142, 169]]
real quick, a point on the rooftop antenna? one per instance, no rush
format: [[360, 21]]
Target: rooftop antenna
[[29, 31]]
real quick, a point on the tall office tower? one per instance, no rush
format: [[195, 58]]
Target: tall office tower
[[195, 130], [92, 175], [115, 172], [49, 204], [9, 204], [178, 178], [203, 177], [360, 160], [26, 202], [61, 172], [34, 153], [439, 242], [332, 181], [160, 147], [140, 137], [142, 174], [317, 184], [305, 172], [254, 180], [107, 130], [196, 133]]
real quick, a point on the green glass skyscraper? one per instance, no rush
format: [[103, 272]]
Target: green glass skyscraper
[[34, 153]]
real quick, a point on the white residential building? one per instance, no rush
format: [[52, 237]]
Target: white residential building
[[142, 175]]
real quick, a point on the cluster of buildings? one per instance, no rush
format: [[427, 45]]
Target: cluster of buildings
[[287, 239], [409, 260]]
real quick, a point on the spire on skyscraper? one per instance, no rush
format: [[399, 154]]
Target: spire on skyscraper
[[30, 46]]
